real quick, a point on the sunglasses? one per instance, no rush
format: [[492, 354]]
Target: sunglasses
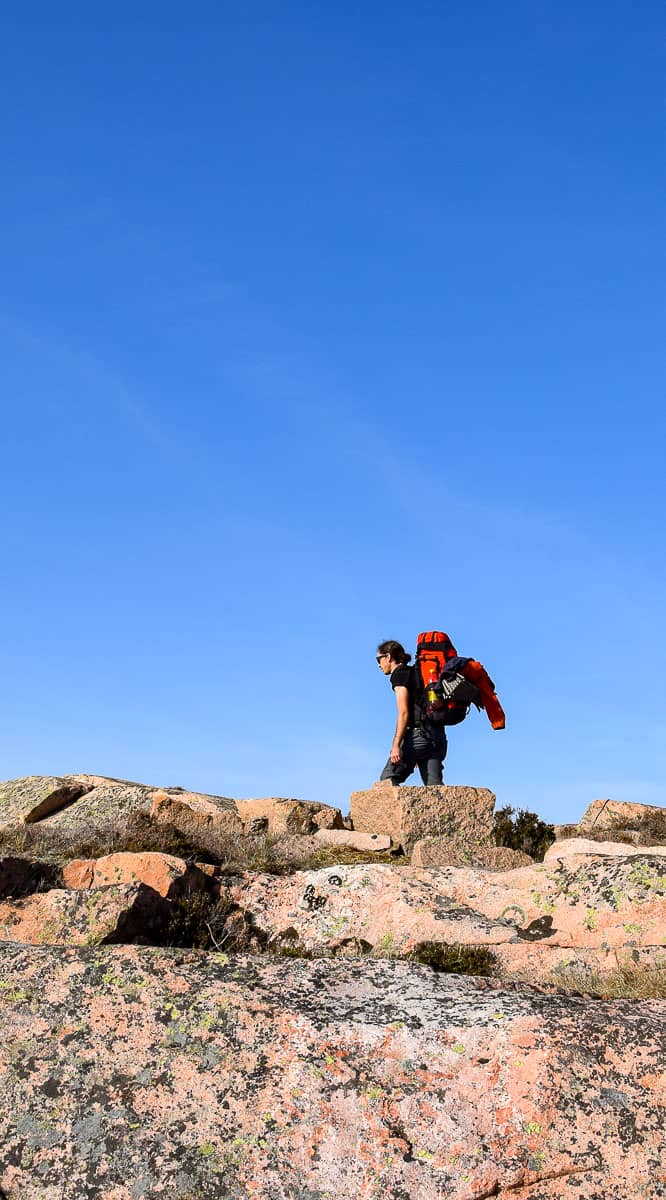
[[379, 657]]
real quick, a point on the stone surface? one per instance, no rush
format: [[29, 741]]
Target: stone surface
[[195, 816], [290, 816], [577, 901], [440, 852], [408, 814], [131, 1072], [378, 908], [167, 875], [569, 846], [118, 913], [36, 796], [606, 904], [109, 801], [354, 840], [618, 814]]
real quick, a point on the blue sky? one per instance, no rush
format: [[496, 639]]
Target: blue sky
[[319, 328]]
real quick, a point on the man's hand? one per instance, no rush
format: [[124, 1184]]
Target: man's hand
[[395, 752]]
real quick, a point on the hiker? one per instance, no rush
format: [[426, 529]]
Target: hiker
[[415, 744]]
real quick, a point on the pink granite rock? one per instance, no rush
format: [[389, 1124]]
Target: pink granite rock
[[440, 852], [370, 907], [194, 815], [131, 1072], [354, 841], [621, 814], [37, 796], [611, 905], [77, 917], [573, 902], [166, 874], [407, 814], [290, 816], [569, 846]]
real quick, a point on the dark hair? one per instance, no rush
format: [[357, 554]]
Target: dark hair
[[395, 651]]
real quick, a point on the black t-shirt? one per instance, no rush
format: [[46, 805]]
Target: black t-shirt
[[403, 676]]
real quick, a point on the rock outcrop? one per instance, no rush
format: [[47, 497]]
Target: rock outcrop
[[610, 815], [319, 1064], [133, 1072], [74, 803], [609, 909], [408, 814], [119, 913]]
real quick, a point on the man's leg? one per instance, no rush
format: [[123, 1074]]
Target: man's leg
[[400, 771], [431, 750]]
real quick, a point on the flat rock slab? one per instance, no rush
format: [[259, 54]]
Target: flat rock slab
[[132, 1072], [576, 901], [354, 841], [603, 903], [440, 852], [168, 875], [36, 796], [575, 968], [407, 814], [362, 908], [82, 918], [569, 846]]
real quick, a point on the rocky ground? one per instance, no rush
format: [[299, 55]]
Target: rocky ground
[[207, 998]]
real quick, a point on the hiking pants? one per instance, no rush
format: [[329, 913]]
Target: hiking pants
[[426, 751]]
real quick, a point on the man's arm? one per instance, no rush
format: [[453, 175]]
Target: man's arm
[[402, 700]]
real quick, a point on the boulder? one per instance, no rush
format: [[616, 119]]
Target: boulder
[[119, 913], [130, 1071], [195, 816], [352, 840], [164, 873], [618, 814], [408, 814], [290, 816], [37, 796], [440, 852], [108, 802], [574, 845]]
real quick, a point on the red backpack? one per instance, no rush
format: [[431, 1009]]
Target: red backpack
[[449, 684]]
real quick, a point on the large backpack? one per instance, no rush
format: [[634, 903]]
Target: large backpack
[[448, 685]]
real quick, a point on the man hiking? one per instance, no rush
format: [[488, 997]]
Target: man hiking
[[415, 744]]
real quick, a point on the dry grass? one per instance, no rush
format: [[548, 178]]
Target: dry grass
[[233, 853], [628, 982], [651, 832]]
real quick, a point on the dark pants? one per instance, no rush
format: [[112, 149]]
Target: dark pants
[[426, 751]]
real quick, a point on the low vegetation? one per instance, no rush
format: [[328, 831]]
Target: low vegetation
[[522, 830], [233, 853], [628, 982]]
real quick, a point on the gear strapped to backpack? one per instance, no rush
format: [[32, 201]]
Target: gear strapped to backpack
[[447, 685]]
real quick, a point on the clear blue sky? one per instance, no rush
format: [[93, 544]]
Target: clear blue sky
[[322, 325]]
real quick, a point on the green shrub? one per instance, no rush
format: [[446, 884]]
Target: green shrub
[[522, 830], [454, 959]]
